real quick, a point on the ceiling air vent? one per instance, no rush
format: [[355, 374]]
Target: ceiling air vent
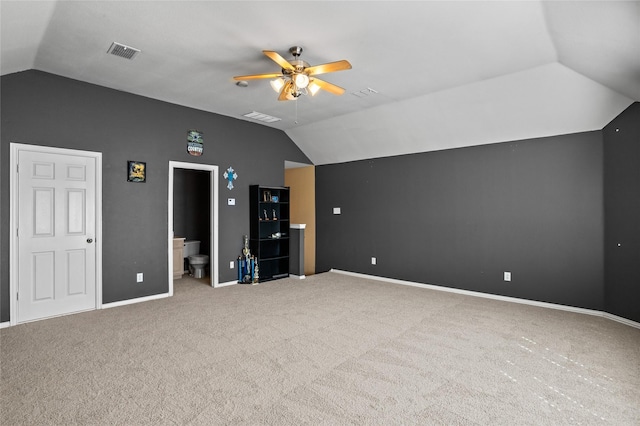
[[262, 117], [123, 51], [364, 93]]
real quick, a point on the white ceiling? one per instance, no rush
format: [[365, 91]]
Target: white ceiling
[[447, 73]]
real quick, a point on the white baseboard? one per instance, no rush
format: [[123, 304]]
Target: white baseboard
[[299, 277], [228, 283], [136, 300], [622, 320], [496, 297], [5, 324]]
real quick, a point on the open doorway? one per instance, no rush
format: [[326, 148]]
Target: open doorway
[[207, 233], [301, 178]]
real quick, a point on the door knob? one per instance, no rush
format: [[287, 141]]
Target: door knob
[[89, 240]]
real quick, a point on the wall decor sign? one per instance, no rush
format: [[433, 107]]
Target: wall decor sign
[[136, 171], [194, 143], [230, 175]]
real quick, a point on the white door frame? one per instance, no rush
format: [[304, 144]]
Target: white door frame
[[14, 148], [213, 259]]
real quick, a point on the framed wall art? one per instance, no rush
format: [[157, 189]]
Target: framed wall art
[[136, 171]]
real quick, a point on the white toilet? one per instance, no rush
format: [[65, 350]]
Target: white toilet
[[197, 262]]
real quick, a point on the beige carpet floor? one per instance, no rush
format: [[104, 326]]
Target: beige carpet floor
[[331, 349]]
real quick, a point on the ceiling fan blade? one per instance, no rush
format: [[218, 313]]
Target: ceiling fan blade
[[257, 76], [329, 67], [285, 91], [329, 87], [275, 57]]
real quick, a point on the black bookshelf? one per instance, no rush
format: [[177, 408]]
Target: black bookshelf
[[269, 230]]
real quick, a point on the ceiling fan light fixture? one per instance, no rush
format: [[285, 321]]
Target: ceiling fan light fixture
[[301, 80], [313, 88], [277, 84]]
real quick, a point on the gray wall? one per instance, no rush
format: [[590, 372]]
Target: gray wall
[[622, 214], [460, 218], [45, 109]]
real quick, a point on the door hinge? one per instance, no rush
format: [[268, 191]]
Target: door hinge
[[17, 168], [17, 296]]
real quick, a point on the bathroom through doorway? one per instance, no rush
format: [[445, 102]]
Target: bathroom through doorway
[[193, 213]]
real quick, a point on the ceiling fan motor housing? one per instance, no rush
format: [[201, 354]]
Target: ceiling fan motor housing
[[299, 66], [295, 51]]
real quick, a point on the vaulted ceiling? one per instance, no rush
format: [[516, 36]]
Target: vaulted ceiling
[[427, 75]]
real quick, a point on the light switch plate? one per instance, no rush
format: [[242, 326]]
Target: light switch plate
[[336, 210], [231, 201]]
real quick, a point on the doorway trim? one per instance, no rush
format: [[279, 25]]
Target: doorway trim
[[14, 148], [213, 219]]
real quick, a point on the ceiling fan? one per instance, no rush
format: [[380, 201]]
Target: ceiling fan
[[298, 77]]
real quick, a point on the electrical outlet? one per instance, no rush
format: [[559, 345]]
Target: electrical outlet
[[232, 264], [139, 277], [507, 276], [374, 261]]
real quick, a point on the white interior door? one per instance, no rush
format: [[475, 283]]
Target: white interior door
[[56, 234]]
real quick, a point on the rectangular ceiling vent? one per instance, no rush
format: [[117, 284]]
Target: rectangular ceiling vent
[[262, 117], [364, 93], [123, 51]]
